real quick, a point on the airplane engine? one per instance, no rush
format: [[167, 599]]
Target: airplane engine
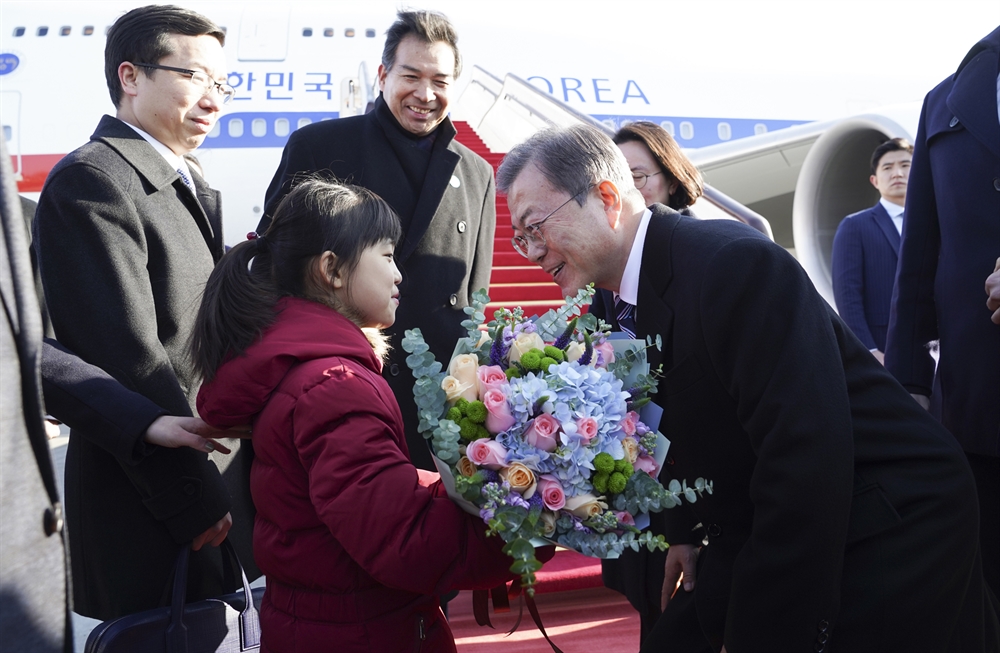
[[833, 183]]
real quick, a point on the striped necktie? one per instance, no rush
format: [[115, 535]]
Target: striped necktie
[[187, 181], [625, 314]]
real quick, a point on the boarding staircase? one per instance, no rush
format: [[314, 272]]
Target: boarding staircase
[[515, 280]]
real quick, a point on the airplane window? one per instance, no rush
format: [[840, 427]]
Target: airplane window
[[216, 130], [760, 128], [349, 32], [370, 33], [307, 31], [669, 126], [65, 30], [88, 30], [725, 131], [281, 127], [328, 32], [236, 127], [258, 127], [42, 31], [18, 31], [8, 133], [302, 123]]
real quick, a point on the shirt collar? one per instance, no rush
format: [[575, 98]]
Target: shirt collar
[[628, 289], [894, 210], [172, 159]]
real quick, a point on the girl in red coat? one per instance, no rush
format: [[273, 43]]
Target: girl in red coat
[[354, 547]]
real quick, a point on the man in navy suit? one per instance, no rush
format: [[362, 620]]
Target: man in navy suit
[[866, 248], [950, 245]]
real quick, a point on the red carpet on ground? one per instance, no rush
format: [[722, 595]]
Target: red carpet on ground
[[577, 621]]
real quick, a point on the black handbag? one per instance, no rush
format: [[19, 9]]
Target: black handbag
[[228, 624]]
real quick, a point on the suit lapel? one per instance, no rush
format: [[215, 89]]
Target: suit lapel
[[654, 317], [439, 173], [887, 226], [154, 168], [974, 108]]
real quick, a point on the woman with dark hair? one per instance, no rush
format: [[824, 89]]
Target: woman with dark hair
[[659, 168], [354, 546]]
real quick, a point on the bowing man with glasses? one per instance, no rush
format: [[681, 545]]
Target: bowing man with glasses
[[127, 234], [844, 517]]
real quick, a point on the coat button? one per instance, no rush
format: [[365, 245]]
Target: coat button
[[713, 530], [823, 626], [822, 638], [820, 647], [453, 300], [394, 369], [953, 121], [189, 489], [461, 227], [996, 183], [52, 521]]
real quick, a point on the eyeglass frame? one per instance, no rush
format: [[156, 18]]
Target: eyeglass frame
[[226, 97], [532, 233], [645, 178]]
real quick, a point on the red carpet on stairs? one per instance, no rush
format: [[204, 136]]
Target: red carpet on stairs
[[515, 281]]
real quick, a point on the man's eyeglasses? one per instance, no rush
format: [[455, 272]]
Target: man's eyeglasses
[[639, 178], [532, 234], [199, 79]]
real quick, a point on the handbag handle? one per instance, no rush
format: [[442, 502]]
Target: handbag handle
[[176, 635]]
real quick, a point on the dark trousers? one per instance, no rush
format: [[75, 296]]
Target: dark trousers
[[986, 469]]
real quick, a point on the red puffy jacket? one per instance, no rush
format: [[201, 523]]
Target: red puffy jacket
[[355, 550]]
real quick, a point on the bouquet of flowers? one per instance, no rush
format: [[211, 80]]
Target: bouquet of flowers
[[545, 429]]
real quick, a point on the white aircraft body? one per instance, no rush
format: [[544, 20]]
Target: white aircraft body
[[779, 103]]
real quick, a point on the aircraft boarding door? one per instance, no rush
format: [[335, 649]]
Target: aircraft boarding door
[[263, 35], [351, 97], [10, 115]]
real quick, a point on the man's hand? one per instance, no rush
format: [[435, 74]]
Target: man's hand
[[680, 566], [993, 293], [173, 432], [215, 533]]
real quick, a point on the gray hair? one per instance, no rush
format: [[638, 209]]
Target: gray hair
[[428, 26], [570, 158]]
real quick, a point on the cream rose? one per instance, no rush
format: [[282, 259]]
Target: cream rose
[[455, 389], [575, 351], [631, 449], [548, 522], [523, 343], [466, 467], [465, 368], [585, 506], [521, 479]]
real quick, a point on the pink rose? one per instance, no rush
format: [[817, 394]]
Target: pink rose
[[491, 377], [498, 417], [648, 465], [604, 354], [624, 518], [486, 453], [552, 492], [628, 424], [542, 432], [587, 428]]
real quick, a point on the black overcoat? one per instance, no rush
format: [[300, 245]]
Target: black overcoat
[[843, 514], [449, 220], [124, 250]]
